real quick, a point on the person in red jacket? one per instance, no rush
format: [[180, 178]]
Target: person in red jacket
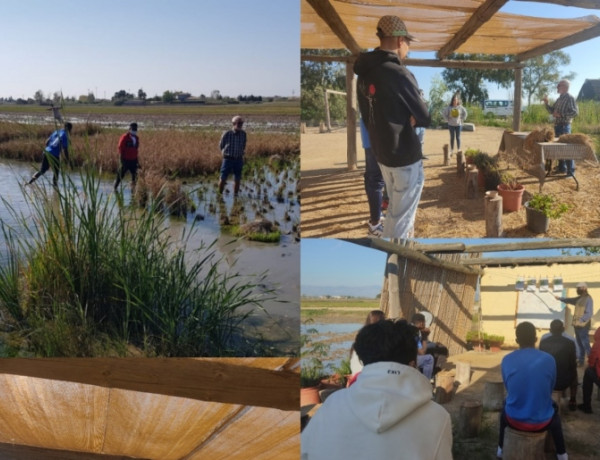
[[591, 375], [129, 144]]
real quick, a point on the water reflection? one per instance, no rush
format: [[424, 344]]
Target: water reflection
[[278, 324]]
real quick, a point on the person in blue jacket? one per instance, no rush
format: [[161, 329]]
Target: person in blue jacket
[[529, 376], [57, 142]]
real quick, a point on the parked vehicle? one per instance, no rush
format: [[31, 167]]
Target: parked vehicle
[[498, 108]]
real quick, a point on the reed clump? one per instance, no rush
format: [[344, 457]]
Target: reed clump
[[86, 276]]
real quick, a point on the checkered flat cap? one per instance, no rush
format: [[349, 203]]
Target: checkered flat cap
[[393, 26]]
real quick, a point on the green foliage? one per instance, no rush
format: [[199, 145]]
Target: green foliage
[[485, 162], [95, 278], [312, 353], [438, 99], [315, 78], [542, 73], [470, 82], [547, 205]]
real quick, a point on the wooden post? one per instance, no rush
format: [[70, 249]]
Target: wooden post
[[469, 419], [463, 373], [460, 164], [444, 387], [493, 215], [322, 128], [303, 128], [523, 444], [446, 157], [472, 185], [493, 396]]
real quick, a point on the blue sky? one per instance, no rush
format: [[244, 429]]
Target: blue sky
[[582, 55], [337, 266], [236, 47]]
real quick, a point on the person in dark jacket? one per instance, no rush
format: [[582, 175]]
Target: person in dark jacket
[[391, 106], [129, 145], [57, 142], [563, 351], [233, 148]]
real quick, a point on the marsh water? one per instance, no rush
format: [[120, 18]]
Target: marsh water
[[279, 323], [339, 337]]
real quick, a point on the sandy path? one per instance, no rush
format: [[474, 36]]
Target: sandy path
[[334, 202]]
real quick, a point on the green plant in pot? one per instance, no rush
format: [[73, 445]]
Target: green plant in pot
[[470, 154], [493, 340], [540, 209], [511, 192]]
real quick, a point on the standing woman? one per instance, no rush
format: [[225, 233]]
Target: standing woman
[[455, 114]]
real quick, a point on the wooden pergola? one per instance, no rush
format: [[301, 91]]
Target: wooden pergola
[[441, 278], [178, 409], [464, 26]]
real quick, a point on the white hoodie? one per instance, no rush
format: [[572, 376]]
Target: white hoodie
[[386, 414]]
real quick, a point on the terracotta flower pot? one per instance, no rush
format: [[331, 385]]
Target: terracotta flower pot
[[511, 199], [309, 396]]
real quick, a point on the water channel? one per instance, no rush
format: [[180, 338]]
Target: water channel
[[279, 323]]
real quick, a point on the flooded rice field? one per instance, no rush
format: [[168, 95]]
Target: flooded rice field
[[267, 194], [337, 336]]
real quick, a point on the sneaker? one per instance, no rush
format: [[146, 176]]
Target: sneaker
[[584, 408], [375, 230], [499, 452]]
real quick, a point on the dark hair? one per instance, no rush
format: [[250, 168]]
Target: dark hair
[[133, 126], [387, 340], [557, 327], [68, 126], [418, 317], [455, 95], [526, 334], [374, 316]]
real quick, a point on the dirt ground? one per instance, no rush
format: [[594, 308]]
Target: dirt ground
[[334, 203], [580, 430]]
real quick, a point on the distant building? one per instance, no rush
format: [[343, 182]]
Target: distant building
[[590, 91]]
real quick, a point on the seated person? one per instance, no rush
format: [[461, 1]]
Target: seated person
[[529, 376], [425, 362], [388, 412], [355, 364], [591, 374], [563, 350]]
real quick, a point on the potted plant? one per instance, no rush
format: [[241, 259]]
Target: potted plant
[[494, 342], [470, 154], [540, 209], [312, 369], [511, 192], [475, 340], [486, 165]]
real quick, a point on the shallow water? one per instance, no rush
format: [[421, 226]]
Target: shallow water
[[279, 323], [339, 336]]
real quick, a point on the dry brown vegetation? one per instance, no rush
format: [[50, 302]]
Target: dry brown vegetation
[[169, 152]]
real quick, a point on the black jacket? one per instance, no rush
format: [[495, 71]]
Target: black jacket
[[388, 95], [563, 351]]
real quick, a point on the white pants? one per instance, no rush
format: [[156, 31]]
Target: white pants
[[404, 186]]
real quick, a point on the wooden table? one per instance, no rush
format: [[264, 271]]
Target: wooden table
[[544, 152]]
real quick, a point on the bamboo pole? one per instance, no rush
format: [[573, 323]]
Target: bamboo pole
[[519, 246], [391, 248], [504, 261]]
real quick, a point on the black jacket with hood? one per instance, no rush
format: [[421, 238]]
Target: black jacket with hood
[[388, 95]]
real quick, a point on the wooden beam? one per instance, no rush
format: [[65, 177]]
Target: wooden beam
[[351, 120], [578, 37], [205, 380], [480, 16], [20, 452], [511, 261], [517, 96], [409, 253], [591, 4], [327, 12], [516, 246], [450, 64]]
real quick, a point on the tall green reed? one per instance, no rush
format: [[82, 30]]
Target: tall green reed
[[88, 276]]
